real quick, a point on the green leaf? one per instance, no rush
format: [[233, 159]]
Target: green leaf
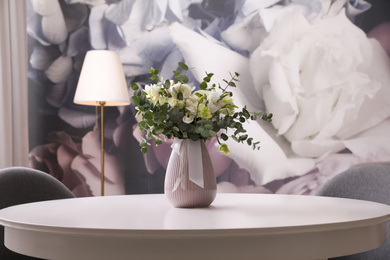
[[243, 137], [193, 137], [167, 84], [136, 99], [134, 86], [180, 96], [246, 113], [148, 116], [144, 149], [212, 133], [142, 124], [232, 84], [185, 79], [183, 66], [158, 142], [138, 93], [224, 137], [183, 126], [182, 78], [205, 134], [203, 85], [158, 131], [199, 129]]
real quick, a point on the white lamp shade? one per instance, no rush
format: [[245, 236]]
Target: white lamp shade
[[102, 79]]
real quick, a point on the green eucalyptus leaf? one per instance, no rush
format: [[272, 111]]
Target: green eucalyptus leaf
[[205, 134], [224, 137], [148, 116], [243, 137], [158, 131], [185, 79], [136, 99], [167, 84], [212, 133], [232, 84], [180, 96], [183, 66], [193, 137], [182, 78], [203, 85], [142, 124], [134, 86]]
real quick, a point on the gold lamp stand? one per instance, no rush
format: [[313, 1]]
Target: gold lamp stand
[[102, 103]]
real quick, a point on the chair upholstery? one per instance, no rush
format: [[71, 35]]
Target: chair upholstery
[[371, 183], [19, 185]]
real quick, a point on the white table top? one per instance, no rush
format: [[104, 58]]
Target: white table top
[[247, 226]]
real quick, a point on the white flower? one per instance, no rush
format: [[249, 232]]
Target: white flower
[[188, 118], [320, 83], [192, 105], [172, 101], [153, 91], [178, 88], [215, 102]]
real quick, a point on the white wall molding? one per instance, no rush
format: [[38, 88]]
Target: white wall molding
[[13, 84]]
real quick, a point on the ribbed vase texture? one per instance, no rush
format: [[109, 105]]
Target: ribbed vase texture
[[187, 194]]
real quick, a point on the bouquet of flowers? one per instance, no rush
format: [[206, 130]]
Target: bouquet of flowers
[[174, 109]]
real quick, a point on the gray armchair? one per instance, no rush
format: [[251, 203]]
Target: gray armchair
[[371, 183], [20, 185]]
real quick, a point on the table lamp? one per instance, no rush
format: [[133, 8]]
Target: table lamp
[[102, 83]]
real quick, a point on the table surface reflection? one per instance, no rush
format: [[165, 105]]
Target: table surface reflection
[[247, 226]]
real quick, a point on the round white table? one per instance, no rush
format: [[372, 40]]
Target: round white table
[[235, 226]]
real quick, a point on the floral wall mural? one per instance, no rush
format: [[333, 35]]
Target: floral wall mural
[[322, 68]]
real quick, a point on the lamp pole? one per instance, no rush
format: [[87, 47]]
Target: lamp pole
[[102, 103]]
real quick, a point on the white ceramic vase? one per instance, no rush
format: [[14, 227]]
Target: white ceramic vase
[[190, 180]]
